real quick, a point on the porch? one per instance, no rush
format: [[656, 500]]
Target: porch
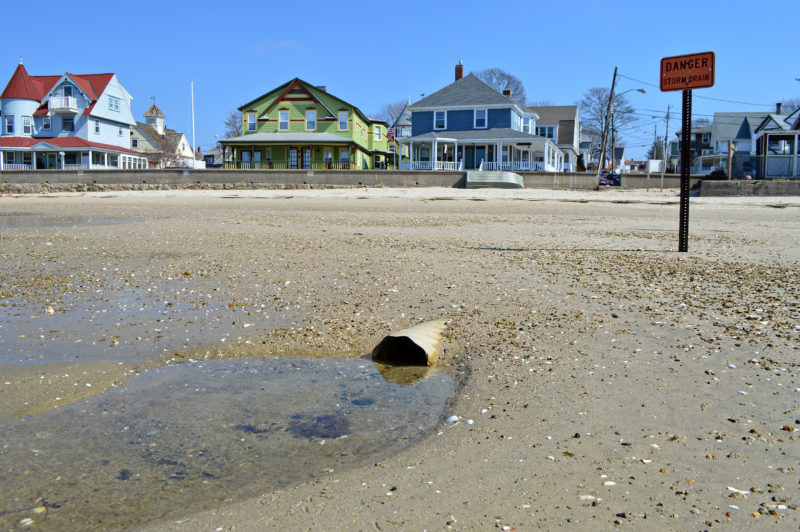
[[302, 157], [68, 160], [532, 154], [779, 154]]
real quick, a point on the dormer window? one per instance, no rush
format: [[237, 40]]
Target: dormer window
[[251, 122], [439, 119], [67, 91], [480, 118], [283, 120], [526, 124]]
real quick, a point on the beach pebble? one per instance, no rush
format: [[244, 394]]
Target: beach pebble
[[469, 422], [451, 419]]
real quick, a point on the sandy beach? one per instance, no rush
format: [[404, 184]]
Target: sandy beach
[[609, 380]]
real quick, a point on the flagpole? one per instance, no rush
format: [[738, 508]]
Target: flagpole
[[193, 145]]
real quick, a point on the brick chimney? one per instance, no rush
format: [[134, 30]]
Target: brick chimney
[[778, 108], [459, 70], [507, 92]]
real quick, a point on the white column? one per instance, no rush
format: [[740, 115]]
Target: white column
[[455, 155], [33, 159], [433, 154], [410, 155], [2, 158], [105, 160], [90, 159]]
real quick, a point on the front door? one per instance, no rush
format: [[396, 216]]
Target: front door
[[52, 161], [469, 157], [480, 155], [306, 158], [293, 158]]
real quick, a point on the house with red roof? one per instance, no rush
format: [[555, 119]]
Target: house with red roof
[[67, 121]]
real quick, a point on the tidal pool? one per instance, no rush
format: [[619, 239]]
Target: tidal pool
[[186, 437]]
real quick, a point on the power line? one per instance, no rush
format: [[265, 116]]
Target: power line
[[700, 96]]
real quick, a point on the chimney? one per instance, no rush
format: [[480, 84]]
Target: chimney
[[778, 108], [459, 70], [507, 92]]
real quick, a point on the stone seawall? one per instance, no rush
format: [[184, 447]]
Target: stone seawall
[[104, 180]]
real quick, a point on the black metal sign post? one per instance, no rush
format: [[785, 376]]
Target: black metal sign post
[[686, 165], [686, 72]]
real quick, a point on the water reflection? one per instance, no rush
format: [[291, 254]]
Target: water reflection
[[186, 437]]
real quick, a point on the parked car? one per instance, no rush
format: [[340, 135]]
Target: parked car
[[613, 180]]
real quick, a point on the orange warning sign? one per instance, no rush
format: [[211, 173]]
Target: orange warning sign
[[683, 72]]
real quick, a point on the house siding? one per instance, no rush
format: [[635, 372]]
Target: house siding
[[499, 118]]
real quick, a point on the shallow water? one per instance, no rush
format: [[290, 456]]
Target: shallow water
[[124, 323], [187, 437]]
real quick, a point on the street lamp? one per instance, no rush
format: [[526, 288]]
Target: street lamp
[[613, 127]]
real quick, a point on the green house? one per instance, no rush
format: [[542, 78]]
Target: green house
[[302, 126]]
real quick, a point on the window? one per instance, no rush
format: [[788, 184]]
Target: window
[[46, 125], [378, 133], [134, 143], [245, 156], [113, 103], [10, 124], [343, 121], [480, 118], [283, 121], [97, 126], [439, 119], [10, 157], [269, 154], [27, 125], [27, 158], [113, 160], [119, 130], [98, 159], [251, 122], [526, 124], [67, 124], [67, 91], [706, 138], [311, 120], [546, 131], [344, 156]]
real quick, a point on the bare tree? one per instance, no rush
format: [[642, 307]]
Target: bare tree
[[790, 104], [594, 113], [501, 80], [541, 103], [390, 112], [700, 122], [233, 124]]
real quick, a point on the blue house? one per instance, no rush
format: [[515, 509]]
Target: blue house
[[66, 121], [469, 125]]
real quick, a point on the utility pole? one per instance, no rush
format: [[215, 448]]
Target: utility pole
[[605, 126], [731, 152], [666, 139]]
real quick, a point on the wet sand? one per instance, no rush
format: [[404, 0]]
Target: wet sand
[[610, 380]]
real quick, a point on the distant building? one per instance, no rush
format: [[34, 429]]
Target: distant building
[[66, 121], [469, 125], [163, 147], [302, 126], [561, 123], [777, 140]]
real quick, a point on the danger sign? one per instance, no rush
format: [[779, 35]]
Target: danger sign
[[683, 72]]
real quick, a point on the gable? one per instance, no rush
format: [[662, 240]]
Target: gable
[[296, 92]]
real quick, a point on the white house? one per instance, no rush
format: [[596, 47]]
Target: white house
[[66, 121]]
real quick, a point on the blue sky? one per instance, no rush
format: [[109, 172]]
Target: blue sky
[[371, 53]]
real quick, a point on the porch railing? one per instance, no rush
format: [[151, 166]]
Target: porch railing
[[515, 166], [284, 165], [782, 166], [60, 104], [76, 167], [17, 167], [436, 165]]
